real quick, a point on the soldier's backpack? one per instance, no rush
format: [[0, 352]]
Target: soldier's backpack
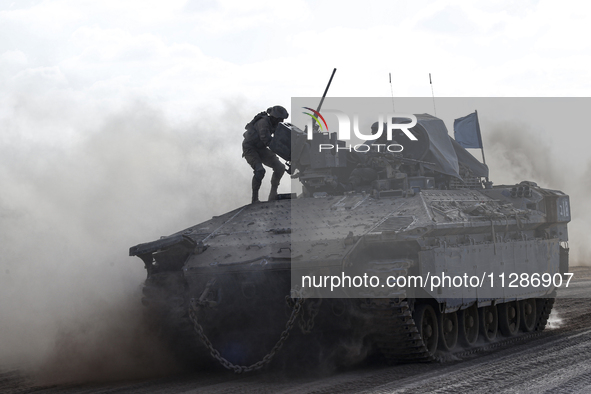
[[258, 116]]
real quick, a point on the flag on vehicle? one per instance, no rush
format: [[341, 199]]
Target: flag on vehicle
[[467, 131]]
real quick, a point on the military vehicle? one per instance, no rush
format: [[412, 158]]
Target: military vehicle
[[237, 285]]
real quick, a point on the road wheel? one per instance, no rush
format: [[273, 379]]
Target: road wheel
[[489, 322], [509, 318], [468, 325], [426, 321], [528, 315], [448, 331]]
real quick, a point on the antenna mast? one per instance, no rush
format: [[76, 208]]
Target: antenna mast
[[392, 91], [432, 94], [326, 90]]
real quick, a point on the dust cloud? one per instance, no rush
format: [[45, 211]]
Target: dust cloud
[[70, 305], [554, 320], [70, 296], [515, 153]]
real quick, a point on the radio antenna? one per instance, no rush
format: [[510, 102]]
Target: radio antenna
[[392, 91], [432, 94]]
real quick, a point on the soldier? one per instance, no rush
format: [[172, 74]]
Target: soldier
[[257, 138]]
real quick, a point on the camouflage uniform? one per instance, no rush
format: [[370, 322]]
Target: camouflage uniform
[[257, 137]]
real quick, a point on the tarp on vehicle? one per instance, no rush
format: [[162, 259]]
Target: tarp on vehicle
[[442, 150]]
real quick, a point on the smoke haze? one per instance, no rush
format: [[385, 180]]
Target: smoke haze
[[73, 200], [515, 153], [69, 294]]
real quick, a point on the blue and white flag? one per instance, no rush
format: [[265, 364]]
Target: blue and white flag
[[467, 131]]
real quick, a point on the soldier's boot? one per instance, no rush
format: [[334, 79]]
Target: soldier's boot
[[256, 185], [273, 192], [255, 197], [274, 185]]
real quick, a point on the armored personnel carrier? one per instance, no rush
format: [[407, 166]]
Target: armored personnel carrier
[[415, 254]]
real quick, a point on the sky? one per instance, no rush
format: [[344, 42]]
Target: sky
[[121, 121], [191, 56]]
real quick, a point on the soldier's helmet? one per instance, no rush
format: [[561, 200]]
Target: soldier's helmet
[[278, 112], [374, 128]]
